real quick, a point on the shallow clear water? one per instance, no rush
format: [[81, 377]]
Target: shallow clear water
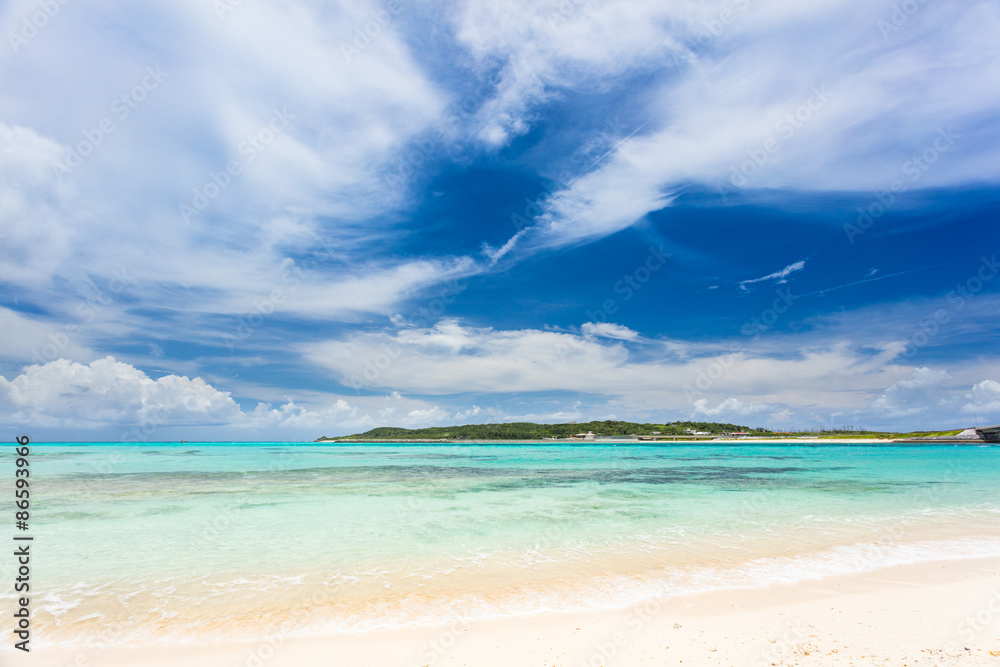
[[173, 540]]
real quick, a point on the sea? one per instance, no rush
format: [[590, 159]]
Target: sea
[[201, 542]]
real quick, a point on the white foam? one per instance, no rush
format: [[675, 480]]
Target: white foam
[[583, 594]]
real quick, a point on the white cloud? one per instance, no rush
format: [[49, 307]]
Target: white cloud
[[339, 416], [984, 399], [780, 276], [860, 105], [781, 417], [451, 358], [728, 409], [35, 239], [609, 330], [25, 339], [107, 392], [544, 47], [496, 254], [324, 178], [789, 377], [920, 392], [316, 184]]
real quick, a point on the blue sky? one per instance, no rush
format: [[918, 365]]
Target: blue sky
[[235, 221]]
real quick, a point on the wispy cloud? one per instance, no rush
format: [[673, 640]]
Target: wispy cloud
[[609, 330], [870, 278], [748, 111], [779, 276]]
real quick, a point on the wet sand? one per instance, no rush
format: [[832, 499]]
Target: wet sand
[[934, 613]]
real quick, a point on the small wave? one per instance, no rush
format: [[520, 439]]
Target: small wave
[[250, 607]]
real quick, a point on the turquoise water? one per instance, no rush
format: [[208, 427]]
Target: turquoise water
[[337, 537]]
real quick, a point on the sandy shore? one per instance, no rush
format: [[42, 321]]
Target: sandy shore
[[941, 613]]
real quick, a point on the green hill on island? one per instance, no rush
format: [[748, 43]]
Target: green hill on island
[[531, 431]]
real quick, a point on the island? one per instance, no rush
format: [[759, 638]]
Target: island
[[611, 431]]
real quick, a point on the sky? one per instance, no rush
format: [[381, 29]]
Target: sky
[[231, 220]]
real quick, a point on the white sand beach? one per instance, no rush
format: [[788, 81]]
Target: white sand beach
[[935, 613]]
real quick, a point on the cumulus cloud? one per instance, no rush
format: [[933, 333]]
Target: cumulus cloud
[[918, 393], [107, 391], [289, 415], [452, 360], [984, 399], [342, 416], [728, 409]]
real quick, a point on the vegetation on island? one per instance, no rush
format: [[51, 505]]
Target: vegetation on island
[[532, 431]]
